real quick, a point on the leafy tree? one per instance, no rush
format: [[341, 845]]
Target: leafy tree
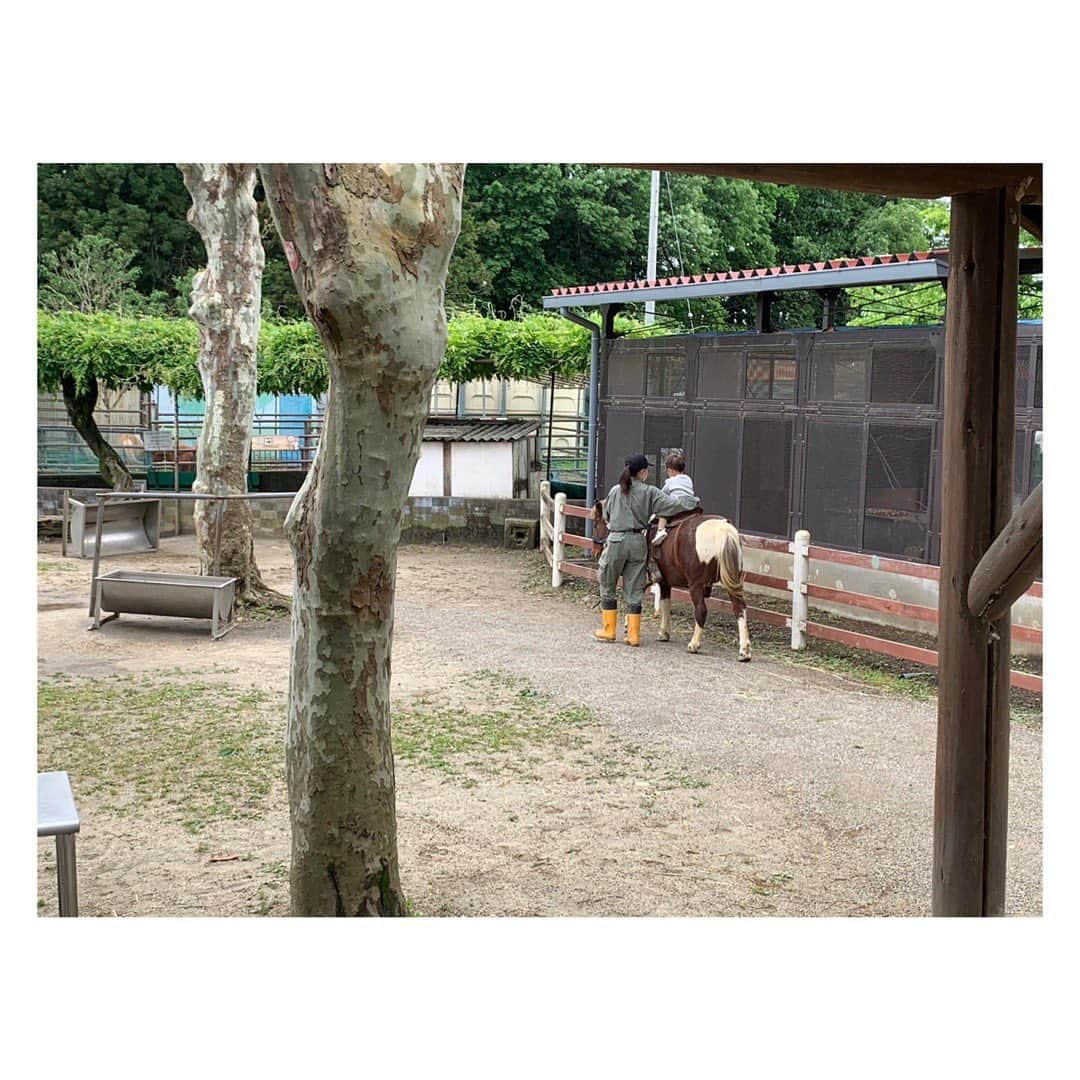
[[90, 275], [525, 229], [141, 208]]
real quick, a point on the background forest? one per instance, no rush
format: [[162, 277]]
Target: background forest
[[115, 237]]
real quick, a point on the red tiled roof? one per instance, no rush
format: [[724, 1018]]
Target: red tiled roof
[[742, 275]]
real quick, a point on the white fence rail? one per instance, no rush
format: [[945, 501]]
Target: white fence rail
[[554, 541]]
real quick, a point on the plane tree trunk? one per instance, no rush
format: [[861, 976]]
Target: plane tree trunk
[[368, 246], [225, 302]]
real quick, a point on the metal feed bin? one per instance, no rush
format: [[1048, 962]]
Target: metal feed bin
[[186, 596], [128, 526]]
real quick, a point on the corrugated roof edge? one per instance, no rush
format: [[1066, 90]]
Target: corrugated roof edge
[[439, 430]]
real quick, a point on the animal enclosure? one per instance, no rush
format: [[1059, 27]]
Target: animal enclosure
[[838, 432]]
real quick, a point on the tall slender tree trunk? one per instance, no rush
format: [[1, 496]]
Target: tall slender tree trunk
[[225, 302], [368, 246], [80, 405]]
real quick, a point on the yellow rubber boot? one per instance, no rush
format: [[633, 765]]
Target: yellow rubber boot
[[633, 630], [608, 632]]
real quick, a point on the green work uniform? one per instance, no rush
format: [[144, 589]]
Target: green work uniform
[[625, 551]]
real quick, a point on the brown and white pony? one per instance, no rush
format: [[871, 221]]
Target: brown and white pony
[[698, 552]]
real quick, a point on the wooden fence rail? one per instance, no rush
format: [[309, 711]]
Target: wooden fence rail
[[554, 540]]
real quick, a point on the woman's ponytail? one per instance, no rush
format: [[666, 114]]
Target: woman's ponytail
[[634, 464]]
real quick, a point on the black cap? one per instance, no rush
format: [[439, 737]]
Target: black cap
[[636, 462]]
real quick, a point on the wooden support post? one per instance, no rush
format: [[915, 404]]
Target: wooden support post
[[971, 782], [1014, 560], [764, 312], [830, 299]]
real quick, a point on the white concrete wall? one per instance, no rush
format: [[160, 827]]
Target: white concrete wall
[[428, 475], [483, 397], [443, 397], [482, 470], [524, 398]]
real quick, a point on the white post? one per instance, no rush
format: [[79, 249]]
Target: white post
[[557, 547], [800, 576]]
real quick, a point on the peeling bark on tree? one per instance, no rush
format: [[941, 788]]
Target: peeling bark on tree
[[80, 405], [225, 302], [368, 246]]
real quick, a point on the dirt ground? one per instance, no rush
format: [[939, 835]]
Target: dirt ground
[[539, 773]]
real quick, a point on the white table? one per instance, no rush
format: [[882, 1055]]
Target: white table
[[57, 816]]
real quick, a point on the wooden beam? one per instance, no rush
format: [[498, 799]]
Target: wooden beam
[[1007, 570], [917, 181], [1031, 219], [971, 781]]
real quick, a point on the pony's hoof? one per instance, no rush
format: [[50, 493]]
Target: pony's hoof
[[744, 658], [663, 637], [692, 648]]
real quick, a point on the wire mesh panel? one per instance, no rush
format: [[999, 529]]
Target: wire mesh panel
[[662, 432], [1038, 377], [720, 372], [1020, 487], [766, 475], [834, 471], [665, 374], [625, 372], [771, 374], [715, 468], [622, 437], [839, 371], [1023, 373], [903, 373], [898, 490]]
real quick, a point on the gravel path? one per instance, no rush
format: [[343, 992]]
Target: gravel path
[[851, 769], [819, 797]]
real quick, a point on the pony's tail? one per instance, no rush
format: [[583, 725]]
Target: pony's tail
[[731, 567]]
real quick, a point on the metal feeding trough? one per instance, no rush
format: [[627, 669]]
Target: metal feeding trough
[[147, 592], [128, 526], [185, 596]]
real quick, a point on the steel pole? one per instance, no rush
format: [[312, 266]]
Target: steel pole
[[594, 395], [176, 455], [551, 422], [654, 220]]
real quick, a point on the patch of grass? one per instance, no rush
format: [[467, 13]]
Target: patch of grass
[[671, 780], [199, 752], [512, 716], [257, 612], [45, 567], [508, 722]]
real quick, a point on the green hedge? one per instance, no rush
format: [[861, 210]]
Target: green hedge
[[123, 351]]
